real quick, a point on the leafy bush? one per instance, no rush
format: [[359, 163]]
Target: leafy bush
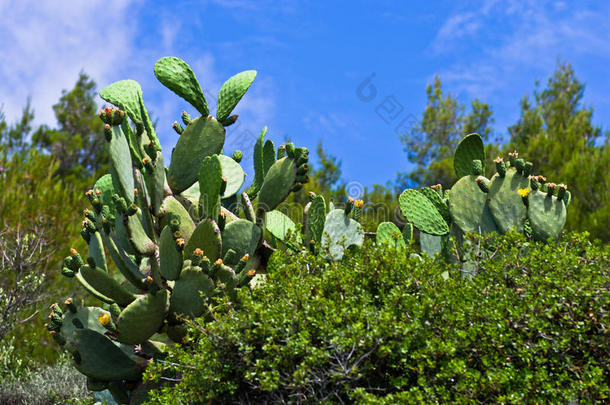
[[381, 327]]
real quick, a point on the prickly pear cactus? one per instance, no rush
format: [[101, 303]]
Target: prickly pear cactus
[[512, 200], [175, 236]]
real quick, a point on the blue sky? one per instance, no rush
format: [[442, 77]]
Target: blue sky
[[313, 60]]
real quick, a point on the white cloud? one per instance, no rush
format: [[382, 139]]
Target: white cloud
[[44, 45], [515, 37]]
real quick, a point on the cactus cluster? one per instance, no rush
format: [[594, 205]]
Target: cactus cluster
[[513, 199], [334, 230], [177, 236]]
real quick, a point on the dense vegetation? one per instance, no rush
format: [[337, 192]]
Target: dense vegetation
[[381, 327], [375, 327]]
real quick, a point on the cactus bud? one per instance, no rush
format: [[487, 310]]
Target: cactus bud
[[91, 262], [500, 166], [230, 257], [534, 184], [302, 170], [281, 152], [348, 205], [519, 165], [70, 304], [67, 272], [108, 132], [561, 192], [483, 184], [106, 225], [290, 149], [527, 169], [151, 149], [180, 242], [512, 158], [229, 120], [223, 184], [132, 209], [237, 156], [197, 257], [550, 189], [296, 188], [88, 214], [174, 224], [186, 118], [85, 234], [477, 167], [77, 260], [304, 178], [205, 265], [178, 128], [524, 192], [222, 221], [438, 188]]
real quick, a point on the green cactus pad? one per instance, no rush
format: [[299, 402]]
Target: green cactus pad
[[203, 137], [171, 208], [232, 91], [96, 251], [210, 182], [86, 317], [170, 256], [279, 225], [470, 148], [547, 215], [125, 94], [259, 165], [232, 171], [505, 203], [388, 234], [177, 76], [407, 233], [422, 213], [99, 358], [186, 297], [207, 238], [242, 236], [91, 290], [431, 244], [469, 207], [106, 285], [341, 232], [433, 196], [316, 217], [143, 317], [157, 183], [138, 238], [268, 155], [277, 184], [121, 166], [106, 188]]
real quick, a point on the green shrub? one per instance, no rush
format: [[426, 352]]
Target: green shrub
[[380, 327]]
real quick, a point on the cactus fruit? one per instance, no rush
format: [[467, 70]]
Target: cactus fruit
[[174, 235]]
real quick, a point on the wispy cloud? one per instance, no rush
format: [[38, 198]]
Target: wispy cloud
[[519, 36], [44, 45]]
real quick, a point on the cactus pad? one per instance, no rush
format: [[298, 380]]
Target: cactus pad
[[210, 184], [232, 171], [242, 236], [106, 285], [279, 225], [505, 203], [177, 75], [141, 319], [207, 238], [121, 166], [277, 184], [434, 197], [98, 357], [125, 94], [106, 190], [469, 207], [470, 148], [316, 217], [547, 215], [204, 136], [186, 297], [341, 232], [232, 91], [259, 165], [422, 213], [170, 256], [388, 234]]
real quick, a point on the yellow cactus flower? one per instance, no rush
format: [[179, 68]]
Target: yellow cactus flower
[[251, 273], [524, 192], [358, 203], [104, 319]]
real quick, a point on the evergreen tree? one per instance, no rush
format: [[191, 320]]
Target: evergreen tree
[[556, 131], [78, 143], [431, 143]]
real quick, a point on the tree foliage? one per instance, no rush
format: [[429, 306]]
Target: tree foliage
[[430, 143], [557, 130]]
